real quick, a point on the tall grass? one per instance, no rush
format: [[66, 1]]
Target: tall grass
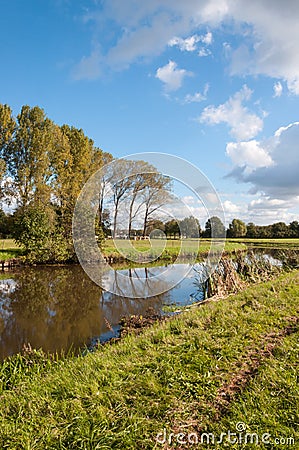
[[204, 370]]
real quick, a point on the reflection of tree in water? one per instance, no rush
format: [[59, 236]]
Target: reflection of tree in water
[[138, 282], [60, 307], [51, 308], [135, 281]]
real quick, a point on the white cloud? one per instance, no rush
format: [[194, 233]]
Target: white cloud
[[250, 153], [266, 210], [244, 124], [280, 179], [207, 39], [172, 76], [272, 49], [198, 96], [277, 89], [204, 52], [189, 199], [188, 44], [266, 202], [230, 207], [269, 46]]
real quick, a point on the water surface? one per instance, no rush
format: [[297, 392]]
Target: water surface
[[60, 308]]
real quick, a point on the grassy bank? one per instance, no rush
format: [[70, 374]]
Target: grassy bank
[[227, 364]]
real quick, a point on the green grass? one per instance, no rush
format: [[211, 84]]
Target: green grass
[[9, 249], [276, 243], [184, 248], [205, 370]]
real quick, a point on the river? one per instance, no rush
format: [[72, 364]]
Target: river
[[58, 308]]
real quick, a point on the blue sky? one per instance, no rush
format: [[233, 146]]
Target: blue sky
[[213, 81]]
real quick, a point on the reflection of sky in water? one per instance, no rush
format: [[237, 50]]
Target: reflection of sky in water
[[146, 282], [6, 288]]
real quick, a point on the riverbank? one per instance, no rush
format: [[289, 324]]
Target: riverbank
[[226, 364], [120, 251]]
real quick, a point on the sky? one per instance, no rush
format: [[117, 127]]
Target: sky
[[215, 82]]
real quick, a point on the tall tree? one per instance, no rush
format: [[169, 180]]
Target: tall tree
[[214, 228], [121, 184], [27, 156], [279, 230], [172, 228], [251, 230], [141, 177], [155, 195], [237, 228], [294, 229], [73, 161], [190, 227]]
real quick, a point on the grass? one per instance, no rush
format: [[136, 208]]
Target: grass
[[9, 249], [275, 243], [185, 248], [203, 371]]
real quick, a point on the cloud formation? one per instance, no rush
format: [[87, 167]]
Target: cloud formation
[[277, 89], [190, 43], [278, 180], [244, 124], [198, 96], [248, 153], [143, 29], [172, 76]]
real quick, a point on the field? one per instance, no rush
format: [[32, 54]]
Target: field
[[9, 249], [277, 243], [229, 366], [173, 248]]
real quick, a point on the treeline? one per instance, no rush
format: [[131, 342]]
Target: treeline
[[189, 227], [278, 230], [43, 167]]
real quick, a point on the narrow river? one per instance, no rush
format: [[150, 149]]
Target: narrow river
[[60, 308]]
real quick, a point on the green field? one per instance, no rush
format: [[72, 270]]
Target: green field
[[212, 369], [274, 243], [185, 248], [9, 249], [120, 249]]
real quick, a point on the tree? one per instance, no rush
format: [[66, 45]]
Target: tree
[[172, 228], [190, 227], [27, 156], [294, 229], [237, 229], [155, 227], [155, 195], [251, 230], [141, 177], [279, 230], [214, 228], [121, 184], [7, 127], [6, 224]]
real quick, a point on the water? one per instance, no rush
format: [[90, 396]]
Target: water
[[60, 308]]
